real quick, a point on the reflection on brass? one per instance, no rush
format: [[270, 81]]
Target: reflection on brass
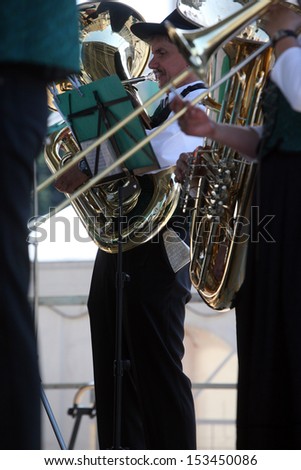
[[207, 13], [107, 45]]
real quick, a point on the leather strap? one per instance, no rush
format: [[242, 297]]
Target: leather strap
[[161, 113]]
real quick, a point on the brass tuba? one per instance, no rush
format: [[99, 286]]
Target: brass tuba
[[108, 47], [219, 231], [219, 234]]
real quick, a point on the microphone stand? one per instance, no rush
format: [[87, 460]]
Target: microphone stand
[[120, 366]]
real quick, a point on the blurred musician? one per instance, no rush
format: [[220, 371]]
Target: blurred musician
[[39, 43]]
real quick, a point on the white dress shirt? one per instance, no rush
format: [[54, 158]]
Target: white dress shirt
[[171, 142], [287, 76]]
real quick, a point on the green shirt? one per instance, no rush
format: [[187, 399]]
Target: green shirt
[[43, 33], [282, 125]]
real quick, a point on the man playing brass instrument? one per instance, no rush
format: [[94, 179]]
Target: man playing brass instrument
[[268, 317], [157, 403]]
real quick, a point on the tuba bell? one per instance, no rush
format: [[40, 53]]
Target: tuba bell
[[108, 49]]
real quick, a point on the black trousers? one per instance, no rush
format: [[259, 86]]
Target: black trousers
[[23, 116], [157, 403], [268, 313]]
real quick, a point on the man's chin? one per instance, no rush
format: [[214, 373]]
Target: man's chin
[[162, 82]]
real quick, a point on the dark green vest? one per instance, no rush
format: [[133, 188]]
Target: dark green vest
[[282, 125]]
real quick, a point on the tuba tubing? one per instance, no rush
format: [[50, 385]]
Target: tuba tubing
[[142, 78]]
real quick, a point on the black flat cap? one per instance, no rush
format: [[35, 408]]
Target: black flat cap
[[146, 30]]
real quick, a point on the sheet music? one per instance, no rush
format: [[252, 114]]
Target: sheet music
[[107, 156]]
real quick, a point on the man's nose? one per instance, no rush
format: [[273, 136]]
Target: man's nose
[[153, 63]]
